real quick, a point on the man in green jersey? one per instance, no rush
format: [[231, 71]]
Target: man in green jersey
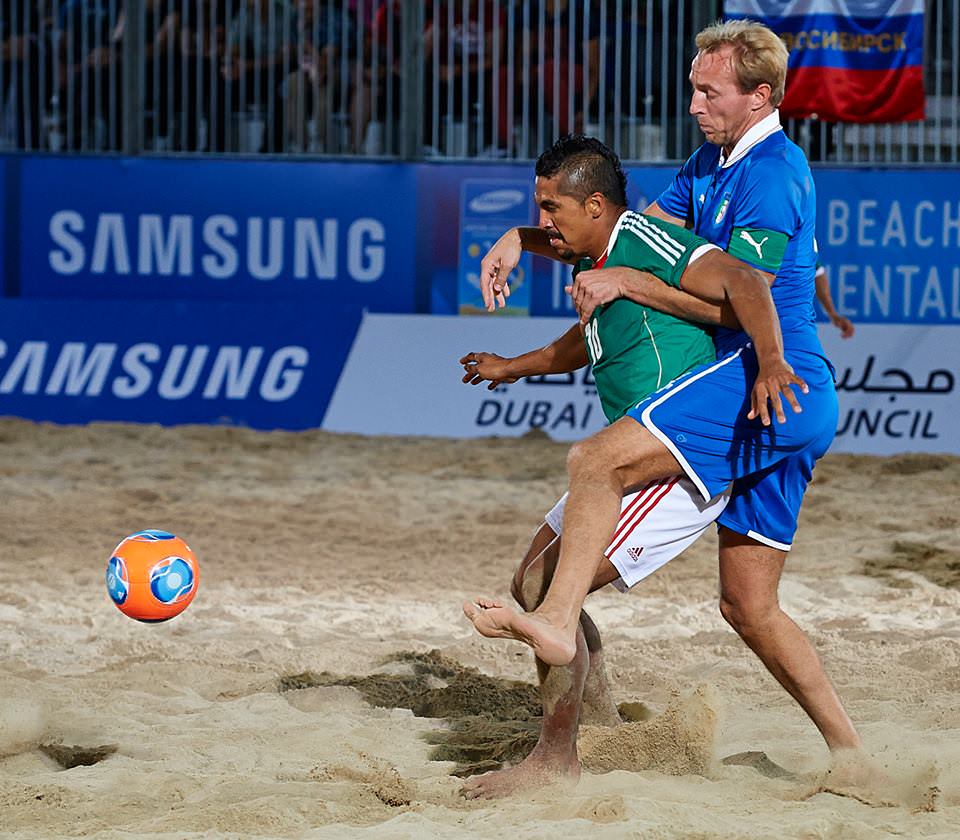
[[634, 350]]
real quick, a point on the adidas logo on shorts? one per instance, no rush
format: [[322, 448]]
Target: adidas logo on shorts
[[635, 552]]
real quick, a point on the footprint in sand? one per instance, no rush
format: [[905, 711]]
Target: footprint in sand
[[379, 777], [760, 762]]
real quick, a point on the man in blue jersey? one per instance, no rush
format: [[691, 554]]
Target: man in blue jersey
[[749, 190]]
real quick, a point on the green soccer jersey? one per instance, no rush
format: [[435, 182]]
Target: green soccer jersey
[[636, 350]]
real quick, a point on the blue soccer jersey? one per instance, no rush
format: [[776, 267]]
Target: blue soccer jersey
[[760, 206]]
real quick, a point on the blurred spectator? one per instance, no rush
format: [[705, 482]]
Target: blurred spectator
[[313, 90], [462, 61], [90, 91], [632, 62], [560, 43], [637, 89], [378, 81], [201, 97], [464, 49], [20, 58], [259, 45], [161, 71]]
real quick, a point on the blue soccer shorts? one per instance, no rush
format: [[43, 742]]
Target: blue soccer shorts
[[701, 418]]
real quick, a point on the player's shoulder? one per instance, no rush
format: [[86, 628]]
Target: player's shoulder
[[704, 160], [776, 156], [634, 226]]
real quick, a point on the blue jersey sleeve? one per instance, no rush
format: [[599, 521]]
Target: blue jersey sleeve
[[677, 198]]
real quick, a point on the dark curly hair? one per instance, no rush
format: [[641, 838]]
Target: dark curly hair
[[587, 166]]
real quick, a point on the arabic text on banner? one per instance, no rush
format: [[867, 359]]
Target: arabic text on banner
[[850, 60]]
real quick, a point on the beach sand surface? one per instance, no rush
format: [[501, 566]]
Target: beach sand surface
[[324, 683]]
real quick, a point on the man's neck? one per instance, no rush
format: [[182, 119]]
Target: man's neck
[[758, 117], [598, 250]]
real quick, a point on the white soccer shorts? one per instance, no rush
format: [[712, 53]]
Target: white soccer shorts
[[655, 525]]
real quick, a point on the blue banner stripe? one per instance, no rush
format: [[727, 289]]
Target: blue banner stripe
[[172, 362], [231, 230]]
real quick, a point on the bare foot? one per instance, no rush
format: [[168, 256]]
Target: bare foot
[[855, 774], [494, 620], [533, 773]]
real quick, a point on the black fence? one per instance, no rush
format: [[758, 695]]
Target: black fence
[[485, 79]]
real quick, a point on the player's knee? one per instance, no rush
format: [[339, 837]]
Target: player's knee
[[730, 612], [583, 459], [748, 617]]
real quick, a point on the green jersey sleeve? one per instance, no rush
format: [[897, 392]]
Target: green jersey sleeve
[[654, 246]]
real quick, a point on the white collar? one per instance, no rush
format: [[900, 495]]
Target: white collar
[[761, 131]]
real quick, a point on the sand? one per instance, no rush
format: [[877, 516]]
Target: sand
[[332, 570]]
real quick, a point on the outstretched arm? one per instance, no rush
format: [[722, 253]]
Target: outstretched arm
[[567, 353], [845, 325], [503, 257]]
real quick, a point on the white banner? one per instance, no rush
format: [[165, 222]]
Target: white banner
[[403, 378], [897, 384], [898, 387]]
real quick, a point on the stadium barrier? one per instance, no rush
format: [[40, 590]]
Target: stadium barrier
[[278, 295], [439, 79]]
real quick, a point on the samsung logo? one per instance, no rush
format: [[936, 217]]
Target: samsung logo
[[219, 247], [496, 201], [80, 369]]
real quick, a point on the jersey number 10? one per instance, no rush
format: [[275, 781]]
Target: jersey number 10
[[591, 333]]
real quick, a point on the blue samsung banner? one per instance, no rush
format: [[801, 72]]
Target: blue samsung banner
[[442, 227], [487, 209], [7, 281], [890, 241], [218, 230], [231, 292], [172, 362]]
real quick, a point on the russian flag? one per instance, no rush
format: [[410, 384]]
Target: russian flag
[[850, 60]]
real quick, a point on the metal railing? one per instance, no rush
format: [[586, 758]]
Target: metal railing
[[409, 79]]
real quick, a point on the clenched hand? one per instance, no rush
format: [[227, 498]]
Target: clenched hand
[[487, 367]]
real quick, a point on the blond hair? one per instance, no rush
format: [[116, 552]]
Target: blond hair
[[758, 57]]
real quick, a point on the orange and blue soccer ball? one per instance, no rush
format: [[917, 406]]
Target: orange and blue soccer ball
[[152, 576]]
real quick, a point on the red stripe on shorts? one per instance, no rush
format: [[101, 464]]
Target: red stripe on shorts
[[633, 516], [624, 520]]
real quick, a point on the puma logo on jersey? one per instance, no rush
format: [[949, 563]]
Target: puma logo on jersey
[[745, 235]]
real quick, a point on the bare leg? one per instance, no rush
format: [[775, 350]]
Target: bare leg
[[749, 577], [601, 469], [599, 707], [529, 586], [568, 692]]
